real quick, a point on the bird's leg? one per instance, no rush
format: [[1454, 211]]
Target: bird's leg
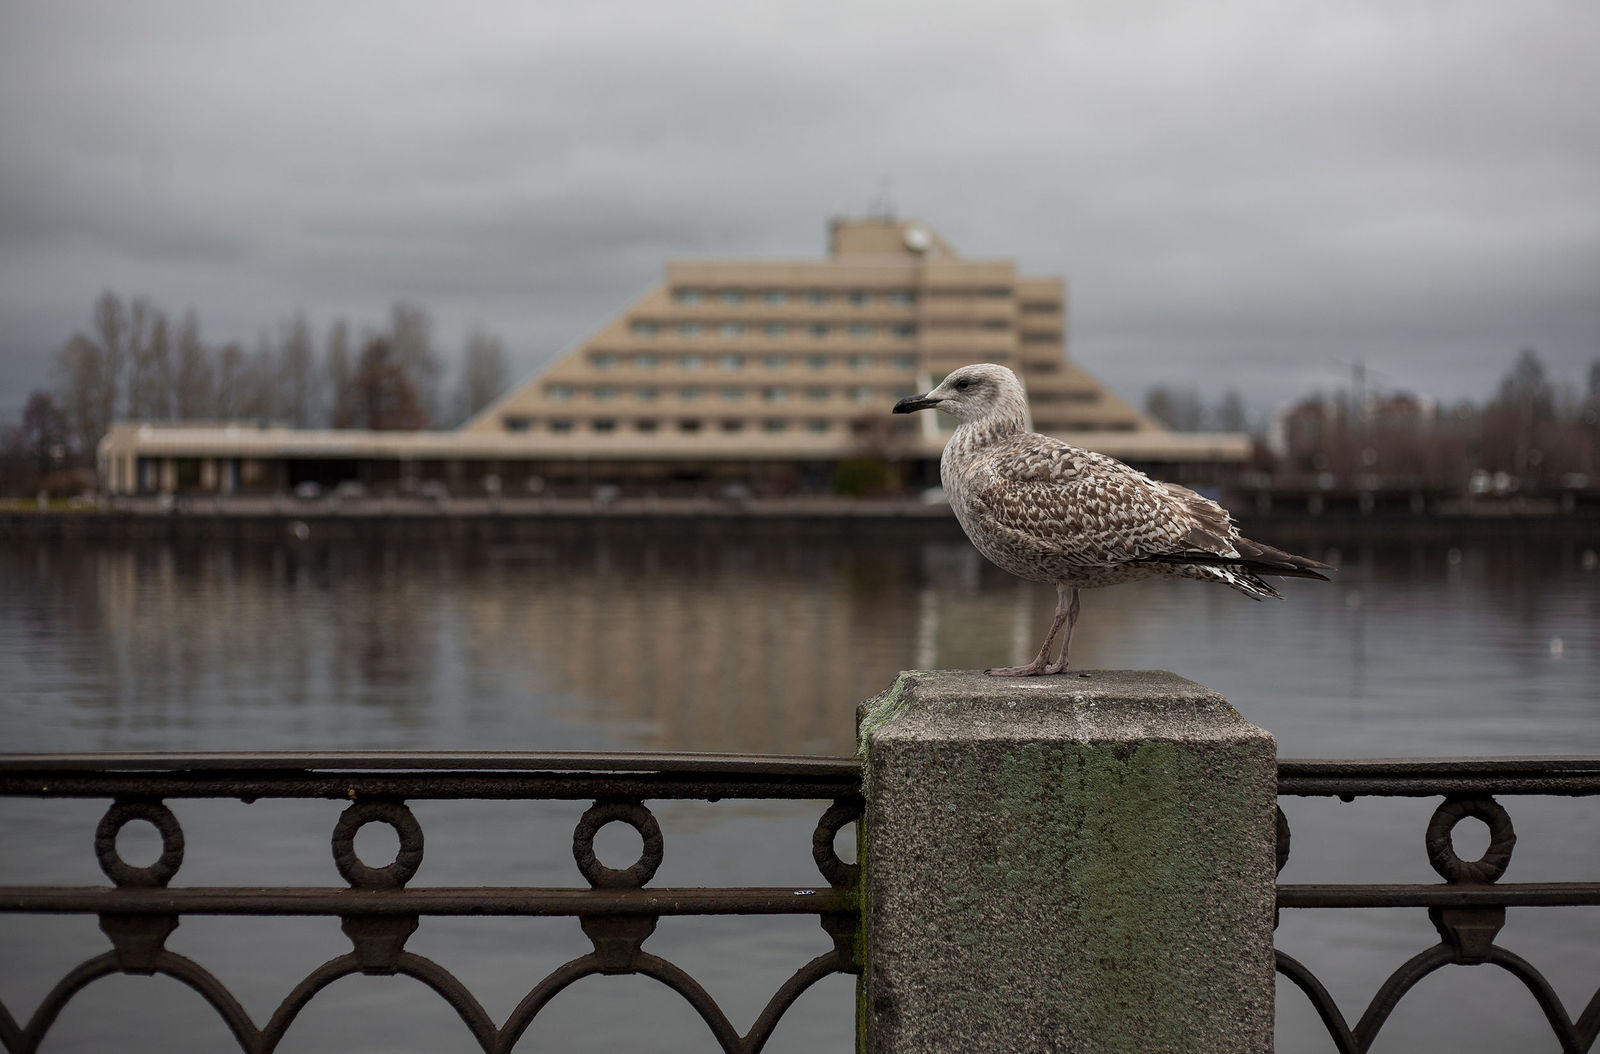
[[1066, 645], [1041, 662]]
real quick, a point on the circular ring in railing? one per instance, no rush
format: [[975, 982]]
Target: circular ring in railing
[[119, 870], [632, 813], [1283, 837], [838, 873], [1442, 853], [406, 861]]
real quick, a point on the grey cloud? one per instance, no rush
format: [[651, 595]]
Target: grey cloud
[[1243, 190]]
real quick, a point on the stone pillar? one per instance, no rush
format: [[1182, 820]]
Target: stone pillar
[[1068, 863]]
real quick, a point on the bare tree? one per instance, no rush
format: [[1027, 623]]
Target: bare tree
[[257, 384], [339, 378], [91, 371], [384, 396], [195, 394], [230, 381], [483, 374], [150, 378], [80, 364], [111, 325], [410, 342], [43, 441], [294, 373], [1230, 415], [1178, 410]]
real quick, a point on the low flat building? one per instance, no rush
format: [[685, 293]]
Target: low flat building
[[771, 376]]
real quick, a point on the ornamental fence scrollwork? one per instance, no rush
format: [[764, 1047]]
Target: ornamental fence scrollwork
[[1469, 909], [379, 911], [618, 908]]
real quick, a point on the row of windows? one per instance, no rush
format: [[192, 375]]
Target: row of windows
[[773, 330], [692, 393], [605, 360], [565, 425], [815, 297]]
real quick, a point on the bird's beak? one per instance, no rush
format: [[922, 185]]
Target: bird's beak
[[912, 403]]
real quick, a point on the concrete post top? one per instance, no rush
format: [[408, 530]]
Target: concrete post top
[[1091, 706]]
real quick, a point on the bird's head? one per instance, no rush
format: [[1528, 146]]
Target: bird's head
[[972, 393]]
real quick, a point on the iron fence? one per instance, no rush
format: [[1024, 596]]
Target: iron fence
[[618, 909], [379, 910]]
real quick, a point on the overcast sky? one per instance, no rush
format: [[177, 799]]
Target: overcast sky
[[1238, 193]]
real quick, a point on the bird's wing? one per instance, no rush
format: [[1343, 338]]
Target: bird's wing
[[1077, 503]]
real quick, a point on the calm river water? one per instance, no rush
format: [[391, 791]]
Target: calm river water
[[756, 637]]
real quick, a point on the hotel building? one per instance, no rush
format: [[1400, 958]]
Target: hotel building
[[765, 374]]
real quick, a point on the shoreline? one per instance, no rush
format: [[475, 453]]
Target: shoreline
[[329, 518]]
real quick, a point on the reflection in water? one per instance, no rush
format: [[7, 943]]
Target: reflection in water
[[756, 637], [762, 637]]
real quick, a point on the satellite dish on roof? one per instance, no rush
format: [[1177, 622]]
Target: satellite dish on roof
[[918, 239]]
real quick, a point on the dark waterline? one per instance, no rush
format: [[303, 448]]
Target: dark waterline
[[757, 637]]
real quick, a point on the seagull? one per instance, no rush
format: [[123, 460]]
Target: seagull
[[1048, 511]]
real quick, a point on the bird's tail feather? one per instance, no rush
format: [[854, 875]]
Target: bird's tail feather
[[1254, 559]]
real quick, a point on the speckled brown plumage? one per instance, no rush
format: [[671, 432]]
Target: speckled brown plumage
[[1048, 511]]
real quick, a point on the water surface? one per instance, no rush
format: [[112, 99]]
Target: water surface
[[739, 637]]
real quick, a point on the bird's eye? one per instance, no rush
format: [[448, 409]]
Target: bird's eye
[[963, 385]]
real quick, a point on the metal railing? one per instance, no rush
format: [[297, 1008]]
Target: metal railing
[[618, 910], [379, 911], [1469, 908]]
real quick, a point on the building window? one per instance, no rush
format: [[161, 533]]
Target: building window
[[689, 362], [817, 395], [817, 329], [604, 361], [860, 329], [775, 424], [732, 362], [686, 296], [774, 395], [559, 392], [776, 329], [732, 329], [689, 394], [646, 361], [646, 424], [817, 296], [861, 395], [732, 296], [860, 362], [901, 297], [775, 296], [997, 292], [604, 424], [560, 424], [605, 394], [689, 424], [817, 362], [515, 424], [733, 424], [733, 394], [859, 298], [689, 329], [903, 362], [817, 424], [645, 329], [905, 329], [775, 362], [645, 394]]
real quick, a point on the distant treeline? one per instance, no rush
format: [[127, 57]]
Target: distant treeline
[[1532, 435], [134, 363]]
